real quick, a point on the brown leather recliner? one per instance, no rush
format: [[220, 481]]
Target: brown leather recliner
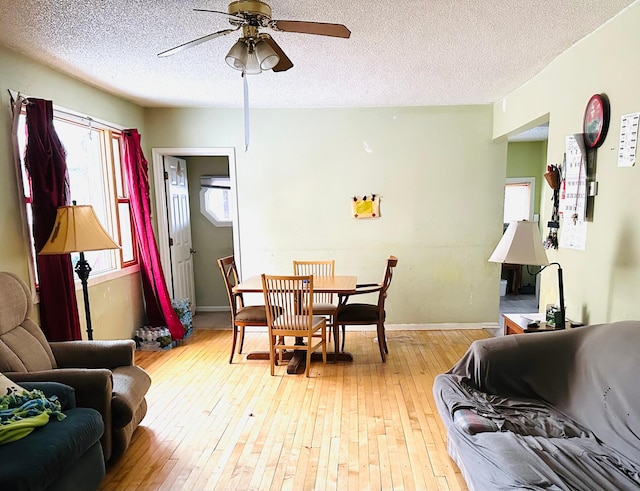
[[102, 373]]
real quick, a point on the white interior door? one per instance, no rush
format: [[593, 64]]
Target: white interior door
[[180, 230]]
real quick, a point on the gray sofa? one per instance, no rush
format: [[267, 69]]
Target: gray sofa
[[557, 410]]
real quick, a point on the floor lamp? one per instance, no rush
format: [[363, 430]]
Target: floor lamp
[[77, 229], [522, 244]]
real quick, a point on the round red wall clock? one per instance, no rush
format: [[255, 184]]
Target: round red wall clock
[[596, 120]]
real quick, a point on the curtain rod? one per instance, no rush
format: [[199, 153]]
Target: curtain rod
[[68, 112]]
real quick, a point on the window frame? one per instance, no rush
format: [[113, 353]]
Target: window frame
[[207, 185], [116, 194], [530, 183]]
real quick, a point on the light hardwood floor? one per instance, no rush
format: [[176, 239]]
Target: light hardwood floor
[[358, 426]]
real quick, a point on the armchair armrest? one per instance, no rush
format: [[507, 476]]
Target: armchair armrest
[[361, 289], [94, 354]]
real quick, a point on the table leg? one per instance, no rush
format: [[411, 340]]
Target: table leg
[[264, 355], [297, 360]]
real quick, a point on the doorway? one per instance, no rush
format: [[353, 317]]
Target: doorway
[[205, 277], [526, 163]]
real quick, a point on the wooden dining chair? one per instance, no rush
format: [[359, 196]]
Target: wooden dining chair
[[323, 303], [241, 315], [289, 307], [362, 314]]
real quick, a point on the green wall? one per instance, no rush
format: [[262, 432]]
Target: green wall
[[438, 171], [116, 305], [528, 159], [602, 283]]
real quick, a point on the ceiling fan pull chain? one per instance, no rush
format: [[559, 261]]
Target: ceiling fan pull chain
[[246, 111]]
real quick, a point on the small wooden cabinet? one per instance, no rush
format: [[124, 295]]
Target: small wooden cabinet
[[519, 324]]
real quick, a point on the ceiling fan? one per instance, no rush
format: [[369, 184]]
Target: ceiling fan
[[255, 50]]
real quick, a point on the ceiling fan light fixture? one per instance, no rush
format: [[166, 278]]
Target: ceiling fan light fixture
[[252, 66], [267, 57], [237, 56]]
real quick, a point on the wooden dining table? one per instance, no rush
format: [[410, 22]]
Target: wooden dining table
[[321, 284]]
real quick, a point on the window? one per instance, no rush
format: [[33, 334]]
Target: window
[[518, 199], [96, 178], [214, 199]]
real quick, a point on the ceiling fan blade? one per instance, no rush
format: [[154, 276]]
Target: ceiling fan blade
[[284, 63], [195, 42], [319, 28], [231, 17]]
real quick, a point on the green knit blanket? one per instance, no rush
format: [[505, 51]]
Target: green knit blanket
[[23, 411]]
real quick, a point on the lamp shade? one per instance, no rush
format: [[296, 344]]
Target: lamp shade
[[253, 65], [237, 56], [77, 229], [267, 57], [520, 244]]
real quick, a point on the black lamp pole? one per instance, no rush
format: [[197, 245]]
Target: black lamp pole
[[561, 294], [78, 229], [83, 269], [561, 324]]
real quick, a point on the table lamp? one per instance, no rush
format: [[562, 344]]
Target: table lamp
[[522, 244], [77, 229]]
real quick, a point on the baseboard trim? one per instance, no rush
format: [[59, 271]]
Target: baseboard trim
[[401, 327], [437, 327], [212, 309]]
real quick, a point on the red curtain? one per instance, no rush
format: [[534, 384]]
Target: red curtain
[[45, 160], [156, 296]]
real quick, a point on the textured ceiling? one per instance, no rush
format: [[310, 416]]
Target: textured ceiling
[[425, 52]]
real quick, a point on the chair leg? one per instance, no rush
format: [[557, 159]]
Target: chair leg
[[324, 346], [280, 352], [272, 354], [384, 334], [308, 367], [344, 329], [233, 342], [336, 339], [382, 343], [242, 328]]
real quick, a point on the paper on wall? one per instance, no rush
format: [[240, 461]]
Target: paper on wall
[[573, 235], [627, 150], [573, 198]]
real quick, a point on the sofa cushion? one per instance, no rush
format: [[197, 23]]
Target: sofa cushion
[[64, 393], [49, 451], [22, 351], [23, 346], [86, 474], [16, 303]]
